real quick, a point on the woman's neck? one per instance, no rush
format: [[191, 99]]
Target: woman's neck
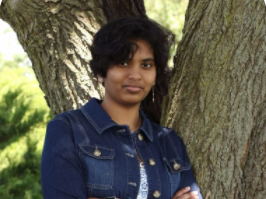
[[123, 115]]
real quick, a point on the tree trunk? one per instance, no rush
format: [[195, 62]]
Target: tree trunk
[[57, 36], [217, 98]]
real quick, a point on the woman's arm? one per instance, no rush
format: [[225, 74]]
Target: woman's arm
[[185, 194], [61, 172], [187, 176]]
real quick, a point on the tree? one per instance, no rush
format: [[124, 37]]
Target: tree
[[217, 96]]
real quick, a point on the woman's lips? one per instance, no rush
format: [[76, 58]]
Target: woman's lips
[[133, 89]]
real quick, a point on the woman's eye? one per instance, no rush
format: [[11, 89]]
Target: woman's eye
[[146, 65], [123, 63]]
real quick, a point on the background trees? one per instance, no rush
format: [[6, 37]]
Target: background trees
[[23, 118], [217, 94]]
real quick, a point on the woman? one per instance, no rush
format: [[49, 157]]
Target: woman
[[109, 148]]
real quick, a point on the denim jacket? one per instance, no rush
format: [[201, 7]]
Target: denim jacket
[[86, 154]]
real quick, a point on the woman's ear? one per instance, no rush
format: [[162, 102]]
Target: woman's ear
[[100, 79]]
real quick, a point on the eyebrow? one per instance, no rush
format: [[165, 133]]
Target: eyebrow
[[148, 59]]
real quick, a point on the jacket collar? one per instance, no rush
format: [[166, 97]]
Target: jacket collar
[[101, 121]]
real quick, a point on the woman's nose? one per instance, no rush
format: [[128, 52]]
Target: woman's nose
[[134, 72]]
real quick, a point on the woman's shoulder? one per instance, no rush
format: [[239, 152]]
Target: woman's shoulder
[[168, 136], [172, 147], [66, 117], [162, 131]]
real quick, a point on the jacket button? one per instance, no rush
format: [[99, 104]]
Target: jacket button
[[140, 137], [176, 166], [97, 152], [156, 194], [152, 162]]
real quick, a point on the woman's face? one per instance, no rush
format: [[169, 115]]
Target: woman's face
[[129, 82]]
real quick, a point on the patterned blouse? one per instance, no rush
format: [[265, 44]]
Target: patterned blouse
[[143, 189]]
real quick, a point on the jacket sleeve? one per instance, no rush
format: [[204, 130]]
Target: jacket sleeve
[[187, 176], [61, 173]]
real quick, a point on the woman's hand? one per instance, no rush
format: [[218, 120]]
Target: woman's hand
[[185, 194]]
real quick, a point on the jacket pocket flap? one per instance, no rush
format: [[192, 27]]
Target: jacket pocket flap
[[176, 165], [97, 152]]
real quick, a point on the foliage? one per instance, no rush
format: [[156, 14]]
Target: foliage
[[16, 116], [23, 117], [22, 180], [170, 14]]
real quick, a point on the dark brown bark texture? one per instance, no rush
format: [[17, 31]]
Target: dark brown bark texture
[[217, 98], [57, 36]]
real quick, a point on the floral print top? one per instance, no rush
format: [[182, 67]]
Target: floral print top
[[143, 189]]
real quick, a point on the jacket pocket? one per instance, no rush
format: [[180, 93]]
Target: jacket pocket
[[174, 169], [98, 166]]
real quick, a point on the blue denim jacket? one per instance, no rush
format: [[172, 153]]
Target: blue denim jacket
[[86, 154]]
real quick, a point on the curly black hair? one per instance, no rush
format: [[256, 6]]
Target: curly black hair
[[113, 43]]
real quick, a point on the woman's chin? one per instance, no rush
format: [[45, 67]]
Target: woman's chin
[[133, 100]]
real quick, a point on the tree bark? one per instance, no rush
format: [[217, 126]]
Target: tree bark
[[217, 98], [57, 36]]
